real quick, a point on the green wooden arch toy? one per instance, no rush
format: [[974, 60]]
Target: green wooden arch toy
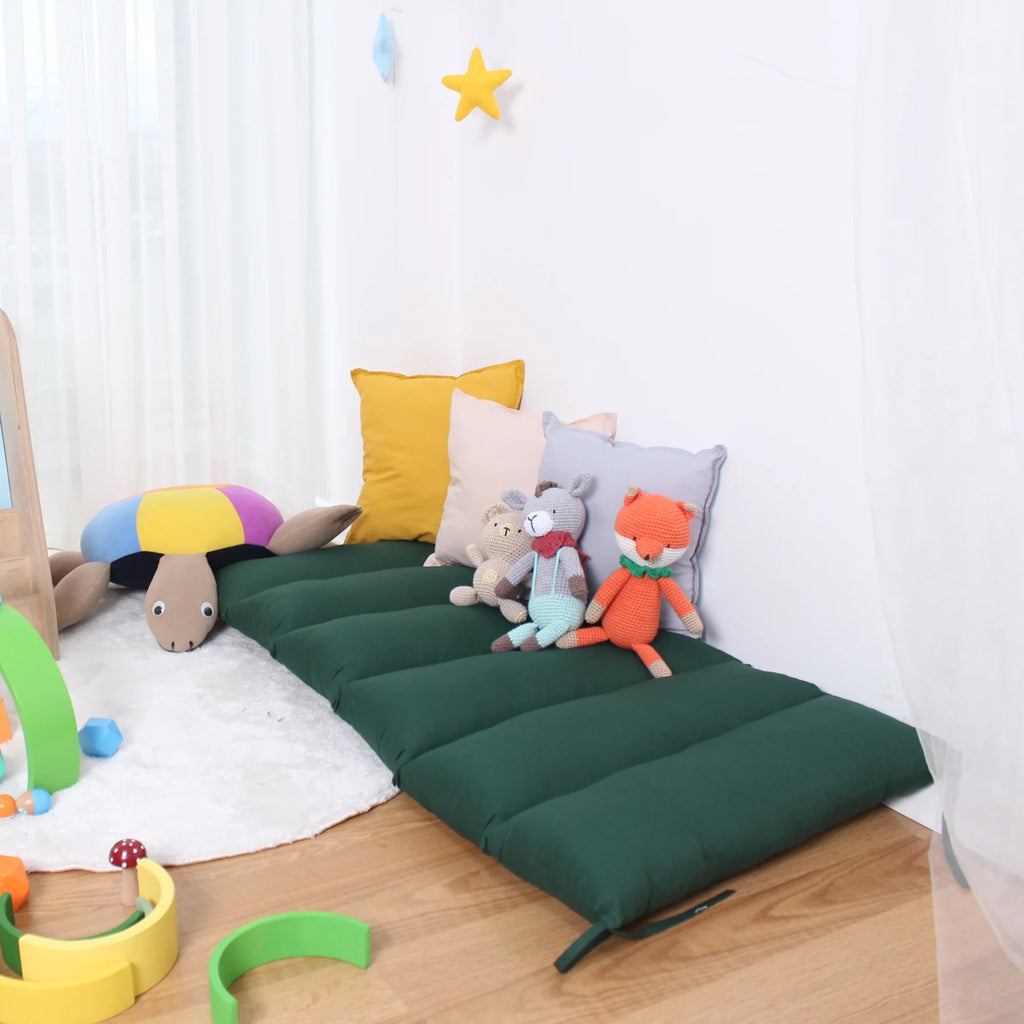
[[280, 937], [42, 701]]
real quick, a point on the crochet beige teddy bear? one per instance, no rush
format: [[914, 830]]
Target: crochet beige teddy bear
[[502, 542]]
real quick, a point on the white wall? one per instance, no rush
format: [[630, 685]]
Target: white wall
[[659, 224]]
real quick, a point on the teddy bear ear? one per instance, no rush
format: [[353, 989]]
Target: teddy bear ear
[[689, 509], [494, 510], [632, 493]]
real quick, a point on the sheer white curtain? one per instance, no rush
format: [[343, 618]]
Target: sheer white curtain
[[940, 216], [161, 254]]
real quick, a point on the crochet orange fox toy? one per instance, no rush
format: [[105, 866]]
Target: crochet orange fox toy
[[652, 532]]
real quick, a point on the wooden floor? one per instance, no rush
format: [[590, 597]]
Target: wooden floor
[[839, 930]]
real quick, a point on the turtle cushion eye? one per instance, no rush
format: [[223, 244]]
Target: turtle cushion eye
[[159, 608], [207, 609]]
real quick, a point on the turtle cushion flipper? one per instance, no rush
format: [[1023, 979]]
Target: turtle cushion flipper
[[62, 562], [79, 591], [312, 528]]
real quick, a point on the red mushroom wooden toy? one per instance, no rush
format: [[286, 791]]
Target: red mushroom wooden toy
[[125, 854]]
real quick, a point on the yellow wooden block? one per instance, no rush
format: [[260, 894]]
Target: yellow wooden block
[[85, 1001]]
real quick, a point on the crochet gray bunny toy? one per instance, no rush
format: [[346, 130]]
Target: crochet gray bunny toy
[[554, 517]]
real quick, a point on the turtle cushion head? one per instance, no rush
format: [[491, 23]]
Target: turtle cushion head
[[181, 603]]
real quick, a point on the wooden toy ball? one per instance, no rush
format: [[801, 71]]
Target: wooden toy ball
[[35, 801], [8, 806]]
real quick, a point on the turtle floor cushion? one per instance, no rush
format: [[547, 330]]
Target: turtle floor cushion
[[615, 792]]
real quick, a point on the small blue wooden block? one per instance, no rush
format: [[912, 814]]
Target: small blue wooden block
[[100, 737]]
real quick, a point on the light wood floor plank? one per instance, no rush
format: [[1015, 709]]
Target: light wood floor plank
[[838, 931]]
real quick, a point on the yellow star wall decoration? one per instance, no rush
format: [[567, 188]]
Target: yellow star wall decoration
[[476, 87]]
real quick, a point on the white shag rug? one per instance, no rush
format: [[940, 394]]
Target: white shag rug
[[224, 751]]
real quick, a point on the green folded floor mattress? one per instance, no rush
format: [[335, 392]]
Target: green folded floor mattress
[[617, 793]]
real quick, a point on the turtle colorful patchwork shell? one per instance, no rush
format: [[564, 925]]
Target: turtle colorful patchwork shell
[[180, 521]]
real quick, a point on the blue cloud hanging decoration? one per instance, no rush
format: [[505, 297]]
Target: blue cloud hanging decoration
[[384, 48]]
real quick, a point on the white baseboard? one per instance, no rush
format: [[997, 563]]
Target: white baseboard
[[924, 807]]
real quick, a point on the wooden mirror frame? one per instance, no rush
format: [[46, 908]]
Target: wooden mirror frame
[[24, 564]]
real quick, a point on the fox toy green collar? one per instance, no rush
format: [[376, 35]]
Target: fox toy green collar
[[644, 570]]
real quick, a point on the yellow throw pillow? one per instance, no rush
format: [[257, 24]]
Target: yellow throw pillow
[[405, 424]]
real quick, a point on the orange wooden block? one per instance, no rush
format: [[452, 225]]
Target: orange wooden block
[[14, 879], [5, 724]]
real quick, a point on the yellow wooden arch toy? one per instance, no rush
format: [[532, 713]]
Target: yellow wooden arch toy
[[84, 981]]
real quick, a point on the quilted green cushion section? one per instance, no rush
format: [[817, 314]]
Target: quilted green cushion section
[[280, 609], [647, 836], [468, 782], [397, 713], [371, 614], [330, 655], [245, 578]]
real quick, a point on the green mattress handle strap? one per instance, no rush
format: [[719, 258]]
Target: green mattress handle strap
[[597, 933]]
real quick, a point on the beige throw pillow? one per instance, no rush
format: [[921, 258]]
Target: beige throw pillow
[[490, 449]]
